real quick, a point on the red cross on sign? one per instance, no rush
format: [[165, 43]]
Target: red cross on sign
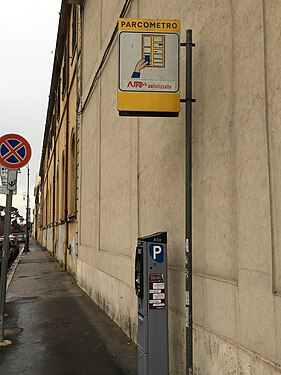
[[15, 151]]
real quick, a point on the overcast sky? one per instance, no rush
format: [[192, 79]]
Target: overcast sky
[[28, 32]]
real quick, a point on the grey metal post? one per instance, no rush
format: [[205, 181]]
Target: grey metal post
[[26, 249], [188, 203], [4, 266]]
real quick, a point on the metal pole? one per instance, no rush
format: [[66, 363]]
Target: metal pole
[[4, 266], [188, 203], [26, 249]]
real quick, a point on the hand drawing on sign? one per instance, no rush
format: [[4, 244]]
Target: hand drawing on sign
[[153, 53], [140, 65]]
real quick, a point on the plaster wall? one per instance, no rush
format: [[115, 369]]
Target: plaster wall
[[132, 184], [60, 247], [72, 249], [44, 238], [49, 239]]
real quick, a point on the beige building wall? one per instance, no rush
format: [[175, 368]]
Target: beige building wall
[[132, 183], [58, 231]]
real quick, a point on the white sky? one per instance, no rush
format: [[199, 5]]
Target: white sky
[[28, 32]]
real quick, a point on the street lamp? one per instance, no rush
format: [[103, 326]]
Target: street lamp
[[26, 248]]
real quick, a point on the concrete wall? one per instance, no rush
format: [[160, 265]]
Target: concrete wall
[[132, 183]]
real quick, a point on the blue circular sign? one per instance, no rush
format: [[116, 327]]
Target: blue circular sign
[[15, 151]]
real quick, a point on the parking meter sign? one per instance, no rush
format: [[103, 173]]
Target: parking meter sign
[[148, 73]]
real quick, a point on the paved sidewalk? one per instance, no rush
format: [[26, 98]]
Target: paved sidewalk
[[56, 329]]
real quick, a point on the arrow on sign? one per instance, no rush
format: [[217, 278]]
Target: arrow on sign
[[12, 179]]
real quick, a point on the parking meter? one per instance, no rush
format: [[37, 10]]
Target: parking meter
[[152, 291]]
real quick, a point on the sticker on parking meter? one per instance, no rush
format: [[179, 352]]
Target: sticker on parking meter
[[157, 298], [158, 286]]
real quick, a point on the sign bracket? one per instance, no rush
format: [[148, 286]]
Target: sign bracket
[[188, 100]]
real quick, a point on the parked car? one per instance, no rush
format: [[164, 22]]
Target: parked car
[[13, 250], [21, 237], [1, 252]]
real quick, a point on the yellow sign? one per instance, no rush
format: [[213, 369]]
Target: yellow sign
[[134, 24], [148, 82]]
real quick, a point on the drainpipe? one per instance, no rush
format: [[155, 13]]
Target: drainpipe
[[54, 192], [66, 151], [66, 185], [78, 119]]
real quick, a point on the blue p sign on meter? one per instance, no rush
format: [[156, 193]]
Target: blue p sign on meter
[[156, 252]]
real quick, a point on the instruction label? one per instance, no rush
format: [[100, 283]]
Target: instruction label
[[157, 297]]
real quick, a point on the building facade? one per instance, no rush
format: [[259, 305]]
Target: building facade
[[58, 170], [107, 180]]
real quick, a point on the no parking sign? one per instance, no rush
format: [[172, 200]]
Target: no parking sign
[[15, 151]]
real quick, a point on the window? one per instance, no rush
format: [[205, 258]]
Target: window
[[62, 187], [64, 74], [74, 29], [72, 176], [57, 195], [58, 101], [53, 128]]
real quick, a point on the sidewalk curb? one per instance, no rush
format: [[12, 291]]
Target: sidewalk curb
[[12, 270]]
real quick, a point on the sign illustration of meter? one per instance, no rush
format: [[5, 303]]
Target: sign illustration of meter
[[148, 79], [152, 291], [151, 58], [153, 50]]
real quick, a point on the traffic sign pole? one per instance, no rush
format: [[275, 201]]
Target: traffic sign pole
[[4, 265], [15, 152], [26, 247]]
